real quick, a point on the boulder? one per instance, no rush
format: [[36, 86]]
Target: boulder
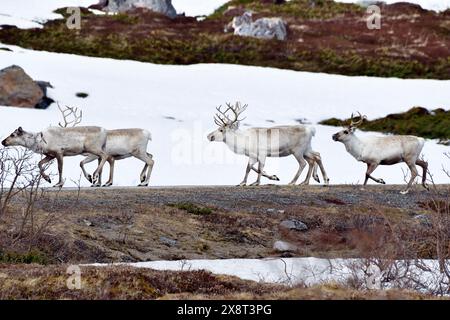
[[162, 6], [168, 241], [18, 89], [293, 224], [263, 28], [283, 246]]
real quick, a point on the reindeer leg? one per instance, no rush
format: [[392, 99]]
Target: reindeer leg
[[302, 164], [424, 166], [251, 162], [144, 170], [59, 158], [111, 162], [100, 172], [41, 164], [414, 174], [371, 168], [96, 176], [87, 160], [312, 167], [318, 159], [147, 158], [264, 174], [262, 161]]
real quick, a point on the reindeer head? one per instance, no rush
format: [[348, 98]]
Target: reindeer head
[[227, 121], [18, 138], [347, 133]]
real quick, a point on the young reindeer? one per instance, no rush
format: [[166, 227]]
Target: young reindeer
[[259, 143], [387, 150], [60, 142], [122, 144]]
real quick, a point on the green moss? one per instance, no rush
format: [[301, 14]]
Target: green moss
[[191, 208], [163, 46], [416, 121], [29, 257], [323, 9]]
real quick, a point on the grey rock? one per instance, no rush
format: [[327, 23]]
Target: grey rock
[[167, 241], [423, 219], [293, 224], [162, 6], [272, 210], [263, 28], [17, 89], [283, 246]]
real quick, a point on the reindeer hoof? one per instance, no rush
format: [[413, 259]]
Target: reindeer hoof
[[381, 181], [274, 178], [255, 184], [95, 185], [106, 185], [242, 184], [317, 179], [143, 185], [89, 177], [58, 185], [48, 179]]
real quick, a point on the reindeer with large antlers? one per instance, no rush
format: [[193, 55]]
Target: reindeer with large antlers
[[62, 141], [385, 150], [259, 143]]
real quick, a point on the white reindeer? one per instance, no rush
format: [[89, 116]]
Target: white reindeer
[[122, 144], [259, 143], [56, 142], [386, 150]]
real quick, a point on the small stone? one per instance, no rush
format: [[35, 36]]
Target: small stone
[[87, 222], [423, 219], [283, 246], [167, 241], [294, 224]]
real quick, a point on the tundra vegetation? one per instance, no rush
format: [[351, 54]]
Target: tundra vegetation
[[327, 37]]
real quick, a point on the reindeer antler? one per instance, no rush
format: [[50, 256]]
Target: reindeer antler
[[221, 118], [76, 114], [357, 123]]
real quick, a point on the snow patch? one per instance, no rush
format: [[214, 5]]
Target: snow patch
[[177, 103]]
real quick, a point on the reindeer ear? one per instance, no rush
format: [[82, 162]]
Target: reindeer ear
[[20, 130], [351, 129]]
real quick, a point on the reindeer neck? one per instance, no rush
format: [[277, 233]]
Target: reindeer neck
[[37, 143], [236, 140], [354, 146]]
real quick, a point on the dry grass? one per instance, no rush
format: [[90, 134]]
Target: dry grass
[[133, 225], [50, 282]]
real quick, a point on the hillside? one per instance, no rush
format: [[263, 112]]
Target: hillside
[[329, 37]]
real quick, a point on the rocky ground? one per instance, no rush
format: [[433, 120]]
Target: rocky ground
[[140, 224], [133, 224]]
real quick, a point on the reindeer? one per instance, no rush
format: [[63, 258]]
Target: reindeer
[[387, 150], [259, 143], [63, 141], [122, 144]]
